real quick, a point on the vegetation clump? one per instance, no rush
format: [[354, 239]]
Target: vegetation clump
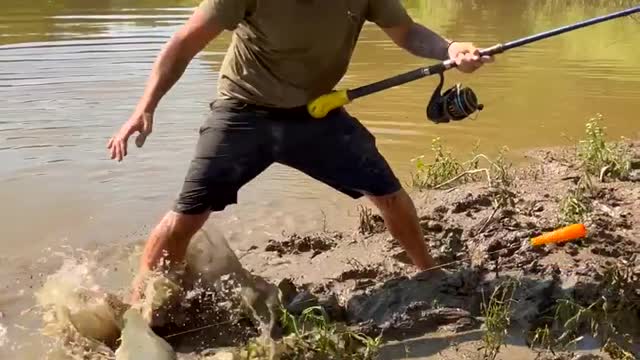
[[444, 167], [605, 318], [596, 158], [369, 223], [576, 205], [497, 314], [310, 336], [601, 158], [447, 171]]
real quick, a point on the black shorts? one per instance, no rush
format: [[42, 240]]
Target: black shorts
[[238, 141]]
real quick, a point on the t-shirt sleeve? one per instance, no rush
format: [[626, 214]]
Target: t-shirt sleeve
[[227, 13], [387, 13]]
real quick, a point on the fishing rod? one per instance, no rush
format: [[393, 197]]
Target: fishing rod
[[457, 102]]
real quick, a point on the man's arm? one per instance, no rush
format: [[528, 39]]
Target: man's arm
[[419, 40], [174, 58], [167, 69]]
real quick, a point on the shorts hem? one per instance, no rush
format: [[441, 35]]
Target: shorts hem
[[201, 209]]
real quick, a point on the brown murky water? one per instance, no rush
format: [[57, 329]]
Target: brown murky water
[[71, 72]]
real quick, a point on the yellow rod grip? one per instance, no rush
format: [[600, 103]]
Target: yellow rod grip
[[321, 106]]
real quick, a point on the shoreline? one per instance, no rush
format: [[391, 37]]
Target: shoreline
[[496, 282]]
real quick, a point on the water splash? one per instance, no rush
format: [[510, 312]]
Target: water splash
[[76, 312], [86, 321], [3, 335]]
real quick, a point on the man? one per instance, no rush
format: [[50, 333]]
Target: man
[[282, 55]]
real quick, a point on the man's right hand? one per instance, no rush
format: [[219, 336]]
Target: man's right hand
[[141, 122]]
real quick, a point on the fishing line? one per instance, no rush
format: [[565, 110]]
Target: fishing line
[[514, 246], [567, 233], [199, 329], [355, 288]]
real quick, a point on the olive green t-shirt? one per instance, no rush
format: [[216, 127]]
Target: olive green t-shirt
[[284, 53]]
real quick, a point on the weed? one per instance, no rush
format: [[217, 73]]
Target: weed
[[575, 205], [616, 308], [501, 170], [497, 314], [444, 167], [543, 337], [311, 336], [595, 319], [617, 352], [598, 157], [369, 223], [447, 171], [317, 338], [502, 178], [620, 288], [574, 317]]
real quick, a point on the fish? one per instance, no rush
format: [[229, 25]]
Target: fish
[[210, 258], [139, 342]]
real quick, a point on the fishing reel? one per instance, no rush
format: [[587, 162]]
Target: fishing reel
[[457, 103]]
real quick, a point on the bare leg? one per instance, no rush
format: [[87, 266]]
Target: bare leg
[[167, 244], [401, 218]]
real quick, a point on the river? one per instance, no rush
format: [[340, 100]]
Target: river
[[71, 72]]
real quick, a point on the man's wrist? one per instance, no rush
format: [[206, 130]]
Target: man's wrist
[[446, 49], [147, 107]]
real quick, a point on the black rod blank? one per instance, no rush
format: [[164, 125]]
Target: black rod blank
[[496, 49]]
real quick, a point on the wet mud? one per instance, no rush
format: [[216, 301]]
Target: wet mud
[[364, 279], [296, 244]]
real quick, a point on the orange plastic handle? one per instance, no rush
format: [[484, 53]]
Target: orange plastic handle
[[567, 233]]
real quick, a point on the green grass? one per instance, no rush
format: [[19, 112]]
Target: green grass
[[446, 171], [576, 205], [497, 314], [543, 337], [597, 158], [312, 336], [601, 158], [443, 168], [607, 318], [598, 320]]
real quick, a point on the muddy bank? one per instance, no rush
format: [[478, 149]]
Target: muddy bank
[[493, 288], [559, 292]]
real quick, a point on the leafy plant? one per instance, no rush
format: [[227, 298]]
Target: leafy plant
[[447, 171], [543, 337], [312, 336], [444, 167], [576, 205], [497, 313], [599, 157], [615, 309]]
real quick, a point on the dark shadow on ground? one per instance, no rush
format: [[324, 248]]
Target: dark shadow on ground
[[406, 309], [425, 314]]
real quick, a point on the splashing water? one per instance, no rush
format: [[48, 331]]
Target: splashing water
[[77, 313], [3, 336], [86, 321]]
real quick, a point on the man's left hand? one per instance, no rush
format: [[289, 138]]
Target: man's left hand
[[467, 57]]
